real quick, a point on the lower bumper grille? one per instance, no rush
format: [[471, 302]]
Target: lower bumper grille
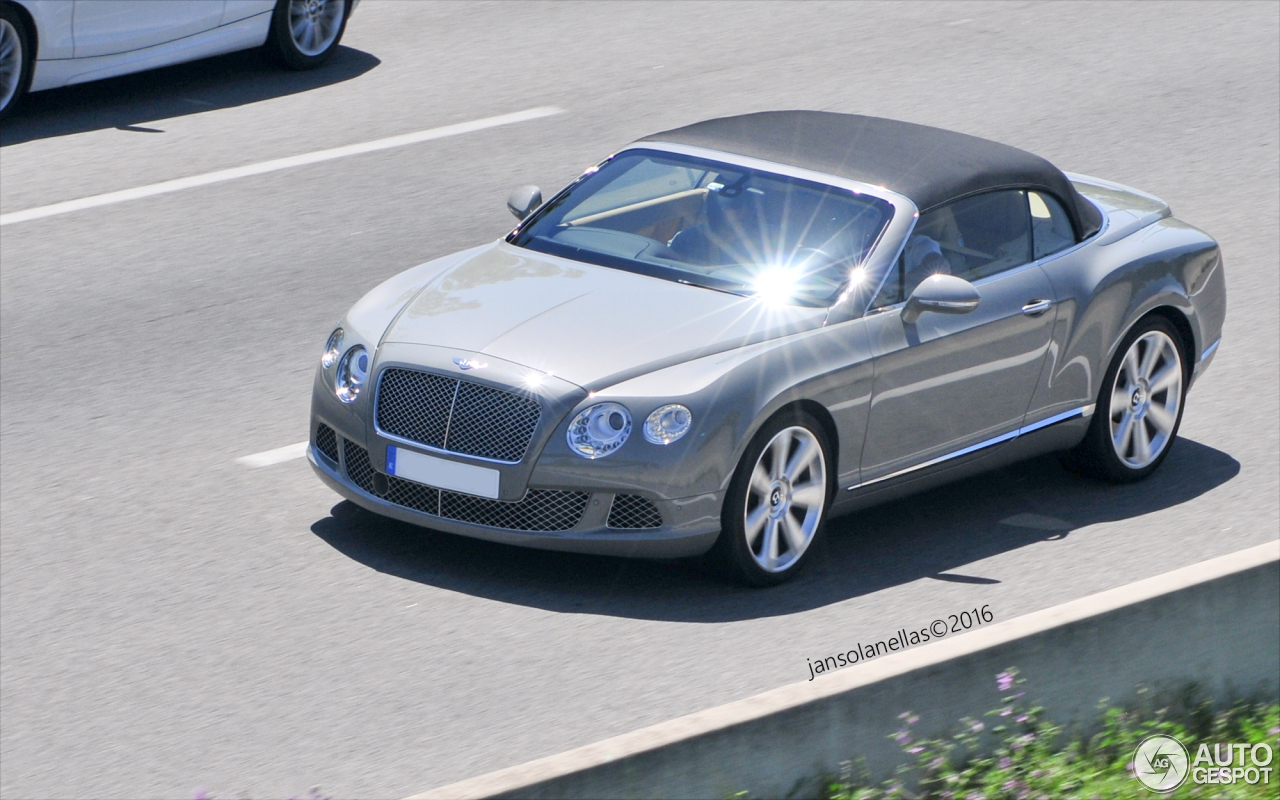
[[633, 512], [540, 510], [327, 442], [359, 469]]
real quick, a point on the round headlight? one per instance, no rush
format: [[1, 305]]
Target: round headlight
[[599, 430], [331, 349], [353, 370], [667, 424]]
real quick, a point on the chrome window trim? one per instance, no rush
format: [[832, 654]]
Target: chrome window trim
[[1083, 411], [377, 389]]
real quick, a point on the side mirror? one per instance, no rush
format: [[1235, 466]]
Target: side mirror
[[945, 294], [524, 200]]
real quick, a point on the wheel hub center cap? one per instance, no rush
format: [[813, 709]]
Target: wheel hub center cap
[[779, 498], [1138, 400]]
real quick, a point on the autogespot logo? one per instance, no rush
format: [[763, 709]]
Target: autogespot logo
[[1160, 763]]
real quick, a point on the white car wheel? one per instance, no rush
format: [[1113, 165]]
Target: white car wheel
[[15, 60], [305, 33]]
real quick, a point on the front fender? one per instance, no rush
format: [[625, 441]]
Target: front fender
[[730, 395]]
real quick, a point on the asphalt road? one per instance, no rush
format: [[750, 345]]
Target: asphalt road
[[172, 619]]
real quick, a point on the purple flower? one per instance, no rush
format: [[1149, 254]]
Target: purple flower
[[1010, 785], [1274, 731], [1023, 718], [902, 737], [1004, 681], [1006, 711], [915, 750], [1006, 762], [913, 719], [936, 763], [975, 726], [1017, 696]]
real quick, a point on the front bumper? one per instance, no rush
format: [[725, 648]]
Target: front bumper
[[689, 525]]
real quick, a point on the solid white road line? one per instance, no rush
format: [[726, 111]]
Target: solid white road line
[[267, 458], [234, 173]]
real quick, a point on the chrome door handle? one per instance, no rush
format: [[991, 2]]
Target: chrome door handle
[[1036, 307]]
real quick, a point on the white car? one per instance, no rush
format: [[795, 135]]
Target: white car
[[45, 44]]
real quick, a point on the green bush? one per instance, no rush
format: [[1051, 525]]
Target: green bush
[[1033, 758]]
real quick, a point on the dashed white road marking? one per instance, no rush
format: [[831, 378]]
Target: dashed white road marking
[[164, 187], [268, 457]]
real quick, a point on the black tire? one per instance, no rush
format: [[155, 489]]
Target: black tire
[[1096, 456], [281, 44], [12, 18], [732, 549]]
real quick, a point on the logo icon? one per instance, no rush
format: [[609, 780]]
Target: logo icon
[[469, 363], [1160, 763]]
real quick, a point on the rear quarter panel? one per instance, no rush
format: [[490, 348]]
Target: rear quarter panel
[[1126, 272]]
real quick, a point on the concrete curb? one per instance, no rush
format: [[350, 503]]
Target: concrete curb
[[1216, 623]]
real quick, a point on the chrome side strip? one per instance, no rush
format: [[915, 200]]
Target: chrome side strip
[[1083, 411], [1210, 350]]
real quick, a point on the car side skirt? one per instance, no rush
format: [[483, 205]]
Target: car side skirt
[[1059, 432]]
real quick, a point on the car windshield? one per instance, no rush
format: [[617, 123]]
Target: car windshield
[[714, 225]]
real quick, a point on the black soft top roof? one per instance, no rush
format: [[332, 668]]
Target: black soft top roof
[[931, 166]]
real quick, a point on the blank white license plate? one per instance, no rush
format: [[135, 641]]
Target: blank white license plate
[[422, 468]]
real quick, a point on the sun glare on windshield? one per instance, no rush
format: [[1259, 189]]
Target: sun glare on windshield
[[714, 225]]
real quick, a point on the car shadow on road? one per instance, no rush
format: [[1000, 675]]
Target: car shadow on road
[[931, 535], [131, 101]]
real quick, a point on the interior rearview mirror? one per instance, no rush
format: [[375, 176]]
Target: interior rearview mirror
[[944, 294], [524, 200]]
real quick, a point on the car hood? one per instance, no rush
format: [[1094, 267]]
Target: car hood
[[590, 325]]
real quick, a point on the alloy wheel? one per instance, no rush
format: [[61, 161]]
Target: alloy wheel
[[10, 62], [1145, 399], [785, 499], [314, 24]]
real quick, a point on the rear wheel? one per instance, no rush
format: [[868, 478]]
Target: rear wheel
[[1139, 408], [305, 33], [15, 60], [776, 505]]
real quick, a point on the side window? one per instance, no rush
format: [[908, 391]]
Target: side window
[[972, 238], [1050, 225]]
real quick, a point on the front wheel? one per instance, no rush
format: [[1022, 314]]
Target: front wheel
[[777, 501], [305, 33], [1139, 407]]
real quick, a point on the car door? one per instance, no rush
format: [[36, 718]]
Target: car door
[[107, 27], [948, 382]]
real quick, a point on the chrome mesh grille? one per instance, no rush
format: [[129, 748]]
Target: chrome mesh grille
[[540, 510], [491, 423], [633, 512], [359, 470], [413, 495], [455, 415], [415, 405], [327, 442]]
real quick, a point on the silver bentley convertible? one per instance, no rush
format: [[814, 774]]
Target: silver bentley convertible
[[724, 335]]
